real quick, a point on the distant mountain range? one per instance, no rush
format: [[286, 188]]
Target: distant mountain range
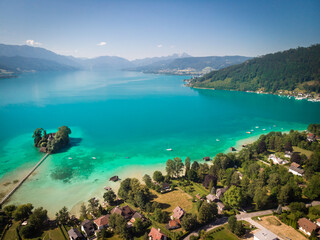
[[15, 59], [295, 70], [191, 65]]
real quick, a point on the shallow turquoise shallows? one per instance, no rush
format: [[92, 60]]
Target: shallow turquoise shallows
[[122, 123]]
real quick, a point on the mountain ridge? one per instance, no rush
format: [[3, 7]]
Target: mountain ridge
[[290, 70]]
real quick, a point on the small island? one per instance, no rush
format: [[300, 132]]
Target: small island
[[51, 142]]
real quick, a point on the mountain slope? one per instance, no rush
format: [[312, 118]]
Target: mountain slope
[[35, 52], [17, 64], [148, 61], [288, 70]]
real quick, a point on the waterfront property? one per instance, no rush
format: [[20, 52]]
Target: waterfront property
[[102, 222], [306, 226], [124, 211], [88, 228], [74, 234]]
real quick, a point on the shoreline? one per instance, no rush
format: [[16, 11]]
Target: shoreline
[[260, 92], [58, 194]]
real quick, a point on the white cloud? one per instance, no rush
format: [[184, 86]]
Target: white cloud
[[172, 46], [33, 43], [102, 44], [160, 46]]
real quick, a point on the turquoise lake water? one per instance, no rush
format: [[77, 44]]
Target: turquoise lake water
[[126, 120]]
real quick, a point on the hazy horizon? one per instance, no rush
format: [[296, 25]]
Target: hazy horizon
[[142, 29]]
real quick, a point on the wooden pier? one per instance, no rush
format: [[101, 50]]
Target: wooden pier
[[22, 180]]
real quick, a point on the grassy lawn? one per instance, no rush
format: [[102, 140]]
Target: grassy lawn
[[284, 231], [221, 233], [11, 233], [52, 234], [47, 235], [302, 151], [172, 199]]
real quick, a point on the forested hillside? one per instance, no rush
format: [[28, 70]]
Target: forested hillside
[[288, 70]]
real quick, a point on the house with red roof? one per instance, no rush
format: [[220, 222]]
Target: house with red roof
[[306, 226], [156, 234], [102, 222]]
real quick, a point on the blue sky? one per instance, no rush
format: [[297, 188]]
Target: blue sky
[[138, 29]]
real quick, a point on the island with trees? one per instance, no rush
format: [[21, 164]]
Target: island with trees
[[51, 142]]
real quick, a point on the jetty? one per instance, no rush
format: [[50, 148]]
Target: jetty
[[22, 180]]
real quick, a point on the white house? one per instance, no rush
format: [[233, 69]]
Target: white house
[[276, 160], [295, 169], [265, 235]]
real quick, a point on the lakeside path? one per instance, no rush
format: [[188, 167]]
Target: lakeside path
[[23, 179]]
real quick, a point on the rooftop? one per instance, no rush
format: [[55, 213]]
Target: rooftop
[[266, 235]]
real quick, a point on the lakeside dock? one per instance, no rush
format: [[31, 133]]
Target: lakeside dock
[[22, 180]]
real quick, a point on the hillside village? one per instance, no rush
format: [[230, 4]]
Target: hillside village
[[267, 190]]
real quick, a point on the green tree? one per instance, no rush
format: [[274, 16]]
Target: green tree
[[207, 212], [239, 230], [262, 147], [312, 191], [261, 197], [138, 226], [28, 231], [119, 224], [93, 206], [157, 176], [22, 212], [125, 188], [160, 216], [63, 216], [187, 164], [232, 222], [178, 166], [147, 180], [195, 166], [83, 211], [233, 197], [288, 146], [189, 222], [110, 197], [37, 135], [192, 175], [37, 218], [170, 168], [314, 128], [9, 210]]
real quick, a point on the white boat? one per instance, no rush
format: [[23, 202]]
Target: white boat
[[169, 149], [69, 157], [264, 129], [94, 158], [257, 126], [251, 130], [217, 140]]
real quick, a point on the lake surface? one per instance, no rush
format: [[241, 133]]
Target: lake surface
[[126, 120]]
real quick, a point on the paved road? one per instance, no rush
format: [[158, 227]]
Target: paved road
[[224, 220], [219, 222], [242, 216]]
